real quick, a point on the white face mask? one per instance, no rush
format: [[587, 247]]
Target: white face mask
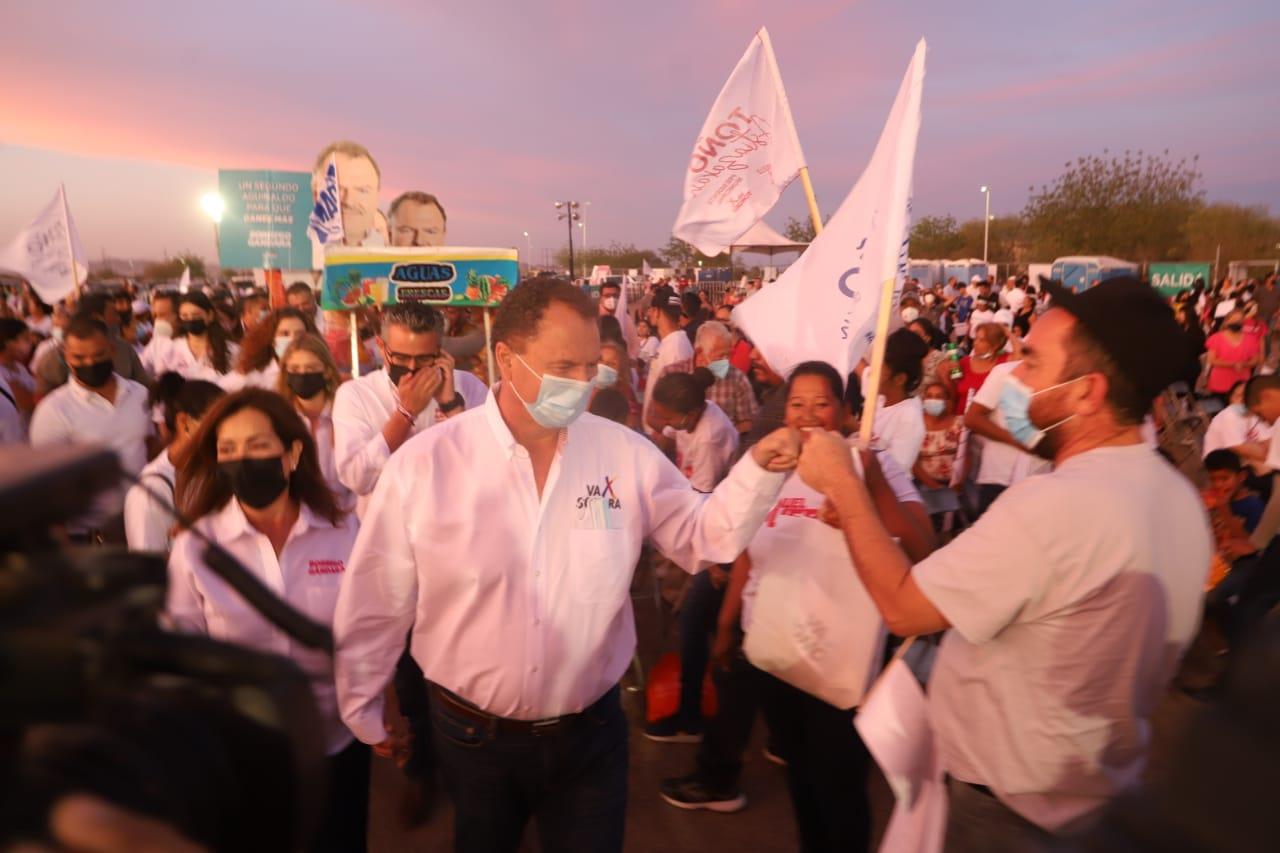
[[910, 314], [163, 329], [610, 303]]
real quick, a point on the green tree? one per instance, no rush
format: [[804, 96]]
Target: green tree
[[619, 256], [936, 237], [1005, 240], [1134, 206], [679, 254], [1244, 233], [802, 230], [171, 269]]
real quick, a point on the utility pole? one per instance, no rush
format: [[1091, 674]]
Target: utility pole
[[569, 213]]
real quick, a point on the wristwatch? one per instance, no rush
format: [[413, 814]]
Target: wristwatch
[[453, 405]]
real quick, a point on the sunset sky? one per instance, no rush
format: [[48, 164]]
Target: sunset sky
[[501, 108]]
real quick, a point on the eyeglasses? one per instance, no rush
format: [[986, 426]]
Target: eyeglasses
[[416, 360]]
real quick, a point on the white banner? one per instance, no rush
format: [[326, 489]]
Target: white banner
[[745, 155], [42, 252], [824, 306]]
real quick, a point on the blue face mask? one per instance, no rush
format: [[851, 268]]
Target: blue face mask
[[1239, 409], [560, 401], [606, 376], [719, 368], [1015, 401], [935, 407]]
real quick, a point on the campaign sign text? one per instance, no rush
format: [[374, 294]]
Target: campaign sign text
[[463, 277], [265, 222]]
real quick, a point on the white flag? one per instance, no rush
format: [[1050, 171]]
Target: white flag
[[824, 306], [184, 283], [326, 216], [645, 269], [745, 155], [43, 253], [623, 313]]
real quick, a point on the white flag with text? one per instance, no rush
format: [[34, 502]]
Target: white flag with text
[[43, 253], [745, 155], [824, 306]]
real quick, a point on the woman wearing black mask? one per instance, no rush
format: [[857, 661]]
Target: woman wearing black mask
[[199, 348], [309, 380], [252, 484]]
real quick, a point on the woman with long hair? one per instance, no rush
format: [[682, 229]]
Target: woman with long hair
[[259, 363], [989, 341], [200, 347], [252, 484], [309, 380], [616, 373]]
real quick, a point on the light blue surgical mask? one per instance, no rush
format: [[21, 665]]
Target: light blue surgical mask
[[935, 407], [1015, 400], [719, 368], [1239, 409], [282, 345], [560, 401], [606, 376]]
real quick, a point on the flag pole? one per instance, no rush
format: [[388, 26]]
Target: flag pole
[[804, 170], [355, 344], [488, 342], [871, 390], [812, 199], [71, 249]]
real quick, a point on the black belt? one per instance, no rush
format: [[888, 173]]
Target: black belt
[[493, 724]]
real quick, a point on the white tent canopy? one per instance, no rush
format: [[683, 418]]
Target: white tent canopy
[[763, 240]]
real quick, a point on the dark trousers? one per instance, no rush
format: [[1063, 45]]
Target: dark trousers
[[826, 768], [573, 781], [698, 615], [411, 691], [345, 826], [726, 735], [987, 494]]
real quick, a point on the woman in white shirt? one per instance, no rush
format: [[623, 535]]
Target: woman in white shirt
[[309, 380], [148, 508], [648, 343], [705, 437], [200, 348], [1236, 429], [253, 485], [826, 760], [899, 420], [258, 364]]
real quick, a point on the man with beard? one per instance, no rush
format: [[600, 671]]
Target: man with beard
[[1071, 601], [359, 181]]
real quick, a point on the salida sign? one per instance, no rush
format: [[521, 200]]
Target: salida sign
[[1169, 279]]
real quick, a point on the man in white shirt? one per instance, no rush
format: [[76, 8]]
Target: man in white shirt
[[1071, 601], [1013, 296], [675, 352], [97, 406], [375, 414], [1005, 461], [505, 539]]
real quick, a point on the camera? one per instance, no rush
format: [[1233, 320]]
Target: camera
[[221, 742]]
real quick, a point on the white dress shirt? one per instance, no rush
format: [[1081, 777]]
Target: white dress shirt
[[321, 429], [518, 601], [265, 378], [178, 358], [307, 574], [704, 452], [360, 411], [74, 414], [147, 521]]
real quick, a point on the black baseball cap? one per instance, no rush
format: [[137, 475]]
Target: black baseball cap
[[1133, 324]]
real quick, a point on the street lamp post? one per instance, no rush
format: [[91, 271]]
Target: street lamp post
[[529, 245], [214, 206], [986, 222], [569, 213], [583, 226]]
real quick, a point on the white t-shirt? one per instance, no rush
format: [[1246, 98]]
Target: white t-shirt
[[147, 521], [704, 453], [1003, 464], [1229, 428], [1015, 298], [176, 356], [1005, 318], [977, 318], [1071, 602], [899, 430], [675, 348], [1224, 308]]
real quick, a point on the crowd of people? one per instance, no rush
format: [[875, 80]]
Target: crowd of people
[[1015, 497]]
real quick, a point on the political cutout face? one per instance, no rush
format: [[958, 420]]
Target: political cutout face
[[358, 186], [416, 224]]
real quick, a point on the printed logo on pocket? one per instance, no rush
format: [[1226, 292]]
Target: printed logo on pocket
[[326, 567], [604, 494]]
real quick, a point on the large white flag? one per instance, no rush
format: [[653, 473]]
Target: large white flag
[[824, 306], [184, 283], [44, 251], [745, 155]]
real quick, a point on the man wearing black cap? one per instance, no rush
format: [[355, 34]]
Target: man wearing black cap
[[1072, 599], [675, 352]]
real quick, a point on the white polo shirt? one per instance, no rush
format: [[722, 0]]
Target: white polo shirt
[[74, 414], [1003, 464], [518, 601], [703, 453], [1071, 601], [308, 574], [360, 411], [1229, 428], [147, 521], [177, 357]]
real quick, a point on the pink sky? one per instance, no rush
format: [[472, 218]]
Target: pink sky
[[500, 109]]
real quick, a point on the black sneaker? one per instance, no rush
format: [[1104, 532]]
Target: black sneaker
[[673, 730], [692, 792]]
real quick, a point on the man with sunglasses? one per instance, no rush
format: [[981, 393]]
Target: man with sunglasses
[[375, 414]]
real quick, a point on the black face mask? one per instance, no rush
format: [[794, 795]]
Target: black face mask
[[195, 327], [398, 372], [1236, 327], [255, 482], [305, 385], [94, 375]]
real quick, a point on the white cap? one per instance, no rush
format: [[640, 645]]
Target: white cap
[[975, 279]]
